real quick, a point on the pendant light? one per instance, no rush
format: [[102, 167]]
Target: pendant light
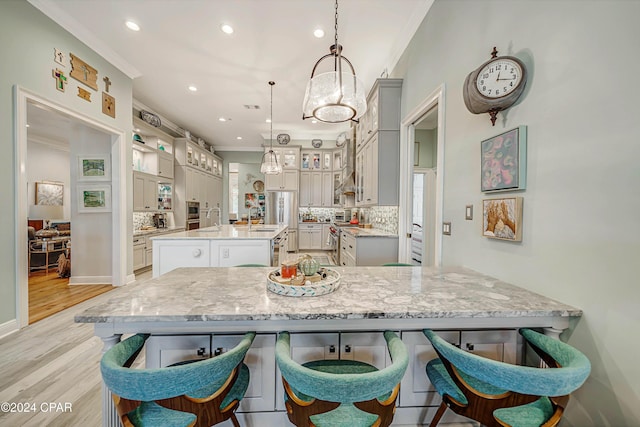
[[334, 96], [270, 164]]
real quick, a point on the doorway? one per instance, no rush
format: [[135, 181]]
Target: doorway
[[421, 182], [32, 110]]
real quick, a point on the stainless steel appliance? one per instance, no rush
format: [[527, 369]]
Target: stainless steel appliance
[[279, 248], [160, 220], [193, 215], [282, 208], [334, 239], [343, 215]]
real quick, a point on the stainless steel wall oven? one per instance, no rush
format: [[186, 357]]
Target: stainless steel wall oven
[[193, 215]]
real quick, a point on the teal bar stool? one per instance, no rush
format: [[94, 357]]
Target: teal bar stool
[[192, 393], [341, 393], [498, 394]]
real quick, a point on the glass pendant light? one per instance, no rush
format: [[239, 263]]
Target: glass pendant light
[[335, 96], [270, 164]]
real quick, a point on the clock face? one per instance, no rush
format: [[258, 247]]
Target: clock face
[[499, 78]]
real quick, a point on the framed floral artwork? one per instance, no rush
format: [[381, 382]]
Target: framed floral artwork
[[504, 161]]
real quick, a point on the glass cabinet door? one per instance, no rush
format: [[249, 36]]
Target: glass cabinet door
[[165, 196]]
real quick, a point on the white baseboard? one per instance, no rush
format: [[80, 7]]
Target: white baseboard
[[9, 327], [130, 279], [90, 280]]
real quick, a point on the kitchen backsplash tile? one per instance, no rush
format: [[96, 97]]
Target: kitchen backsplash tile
[[142, 219], [382, 217]]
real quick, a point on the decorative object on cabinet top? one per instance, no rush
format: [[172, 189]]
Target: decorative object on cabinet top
[[341, 139], [316, 143], [283, 138], [151, 118]]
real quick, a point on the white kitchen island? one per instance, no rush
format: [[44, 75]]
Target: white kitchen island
[[200, 312], [220, 246]]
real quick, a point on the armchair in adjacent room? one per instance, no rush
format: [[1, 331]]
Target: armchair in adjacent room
[[345, 393], [500, 394], [193, 393]]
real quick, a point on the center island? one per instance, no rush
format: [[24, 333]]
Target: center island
[[200, 312], [219, 246]]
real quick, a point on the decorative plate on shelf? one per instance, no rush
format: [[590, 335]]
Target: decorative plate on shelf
[[152, 119], [258, 186], [317, 143], [283, 138], [327, 283]]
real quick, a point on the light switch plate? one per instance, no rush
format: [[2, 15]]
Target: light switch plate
[[468, 212], [446, 228]]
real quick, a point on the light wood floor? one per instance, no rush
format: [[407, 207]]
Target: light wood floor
[[49, 294]]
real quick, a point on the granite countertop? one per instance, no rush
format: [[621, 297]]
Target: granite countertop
[[226, 231], [368, 232], [240, 294], [157, 231]]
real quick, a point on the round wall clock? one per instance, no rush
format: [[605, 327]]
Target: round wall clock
[[316, 143], [494, 86], [283, 138]]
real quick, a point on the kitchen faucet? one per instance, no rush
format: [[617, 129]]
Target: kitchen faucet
[[215, 224], [257, 214]]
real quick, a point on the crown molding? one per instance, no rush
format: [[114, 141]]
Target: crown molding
[[85, 36]]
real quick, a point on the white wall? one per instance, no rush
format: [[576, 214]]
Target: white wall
[[28, 42], [48, 163], [581, 234]]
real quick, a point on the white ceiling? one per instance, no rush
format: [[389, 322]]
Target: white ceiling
[[180, 44]]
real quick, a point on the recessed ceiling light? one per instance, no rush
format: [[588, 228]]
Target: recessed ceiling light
[[238, 137], [314, 121], [27, 125], [132, 26], [268, 120], [226, 28], [319, 33], [192, 88], [222, 119]]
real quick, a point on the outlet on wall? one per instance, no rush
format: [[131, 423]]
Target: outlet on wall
[[446, 228]]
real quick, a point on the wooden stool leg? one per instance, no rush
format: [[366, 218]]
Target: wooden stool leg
[[438, 415], [234, 420]]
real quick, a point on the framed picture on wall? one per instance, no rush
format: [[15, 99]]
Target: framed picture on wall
[[94, 198], [94, 167], [502, 218], [49, 193], [504, 161]]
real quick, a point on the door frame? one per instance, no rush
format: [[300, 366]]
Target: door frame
[[118, 193], [407, 138]]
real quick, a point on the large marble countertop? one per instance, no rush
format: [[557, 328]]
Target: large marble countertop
[[152, 231], [368, 232], [419, 297], [223, 232]]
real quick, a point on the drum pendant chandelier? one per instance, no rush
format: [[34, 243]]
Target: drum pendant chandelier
[[334, 96], [269, 163]]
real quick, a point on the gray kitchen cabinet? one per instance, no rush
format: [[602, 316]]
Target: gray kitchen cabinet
[[145, 192], [287, 180], [309, 236], [378, 146], [369, 250], [164, 350], [415, 388]]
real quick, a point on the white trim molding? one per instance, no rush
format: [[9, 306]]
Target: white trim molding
[[435, 99]]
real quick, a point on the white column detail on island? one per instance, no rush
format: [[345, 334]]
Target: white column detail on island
[[110, 417]]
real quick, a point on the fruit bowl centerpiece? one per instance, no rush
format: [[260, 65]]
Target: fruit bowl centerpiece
[[322, 282]]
